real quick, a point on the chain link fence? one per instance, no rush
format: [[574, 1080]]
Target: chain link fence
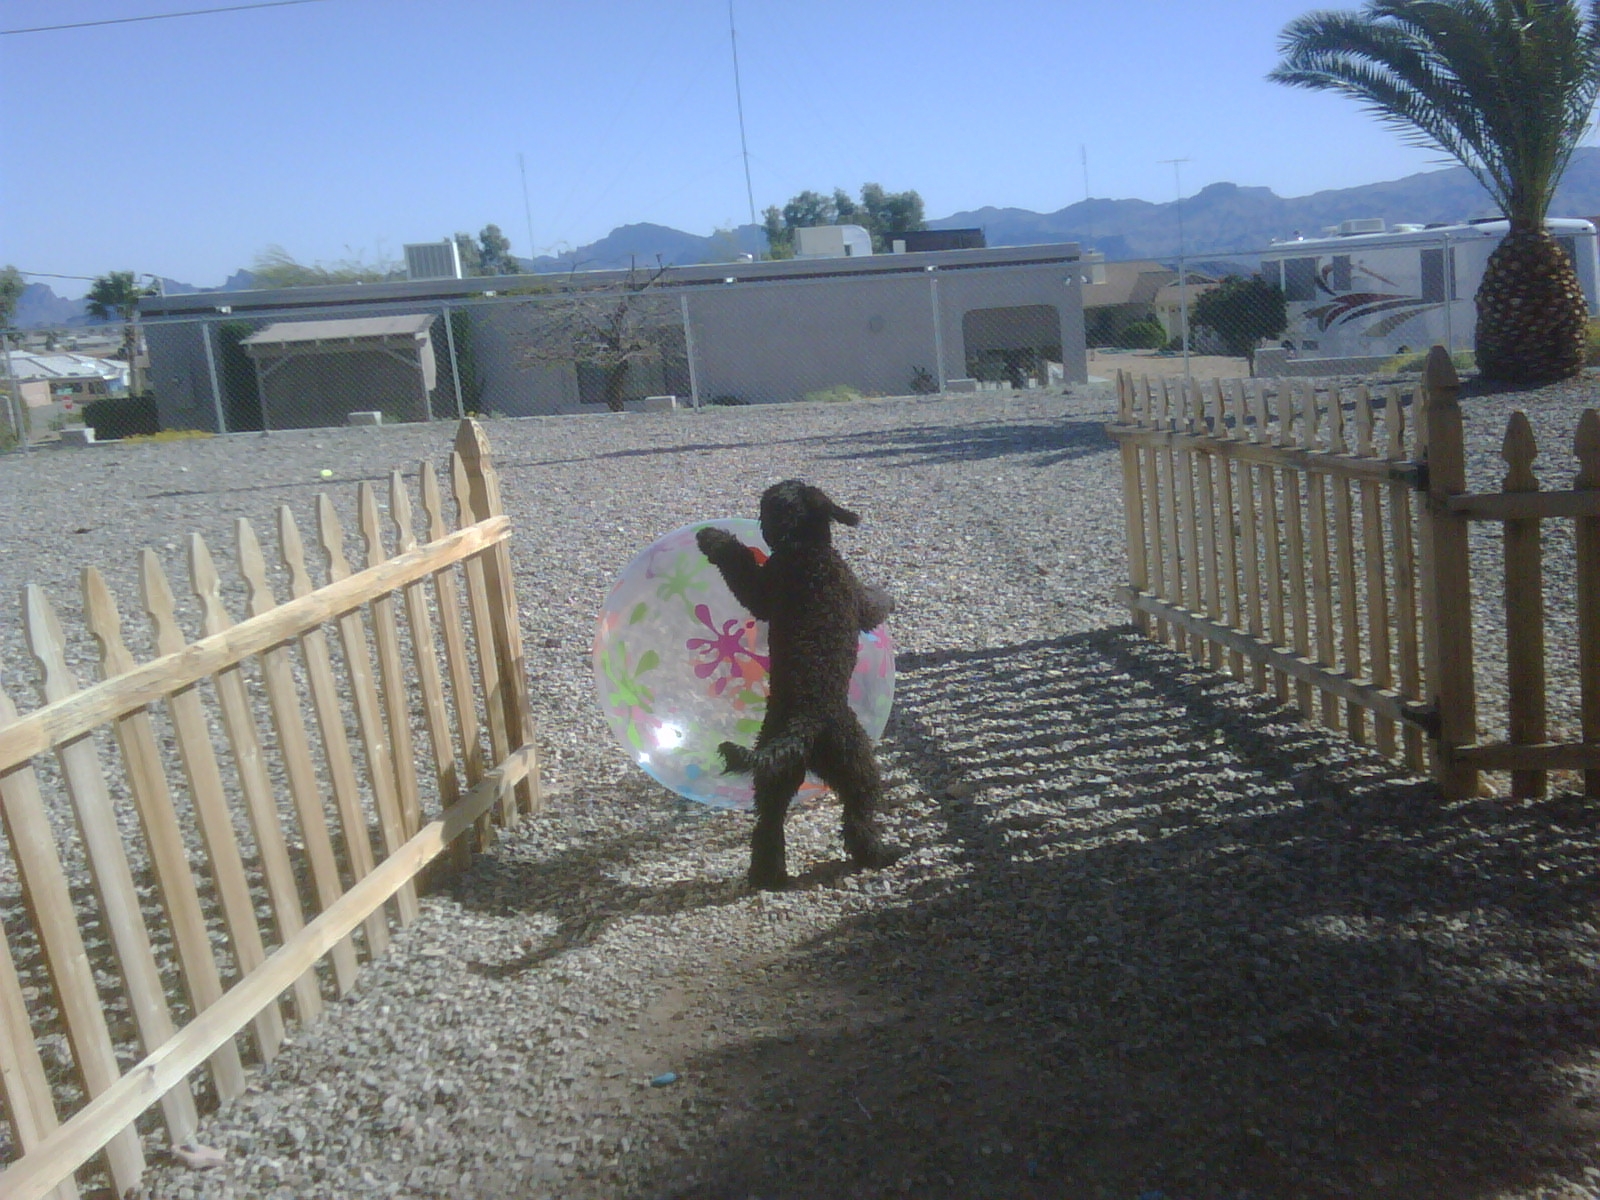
[[1355, 300], [761, 333], [1359, 299]]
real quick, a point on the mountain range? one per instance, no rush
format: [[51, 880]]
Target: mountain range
[[1221, 219]]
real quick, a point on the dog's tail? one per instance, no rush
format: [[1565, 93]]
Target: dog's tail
[[777, 755]]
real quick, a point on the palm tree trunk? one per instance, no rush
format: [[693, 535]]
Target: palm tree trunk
[[1531, 310]]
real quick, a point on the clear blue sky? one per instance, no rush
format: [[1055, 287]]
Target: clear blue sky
[[339, 128]]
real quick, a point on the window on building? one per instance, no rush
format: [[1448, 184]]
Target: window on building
[[1299, 279], [1439, 274], [1339, 273]]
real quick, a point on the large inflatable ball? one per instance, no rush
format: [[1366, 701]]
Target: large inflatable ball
[[681, 667]]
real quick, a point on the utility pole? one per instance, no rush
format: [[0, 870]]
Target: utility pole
[[527, 209], [1183, 272], [738, 96]]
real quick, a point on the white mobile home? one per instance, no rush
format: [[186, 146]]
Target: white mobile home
[[1363, 290]]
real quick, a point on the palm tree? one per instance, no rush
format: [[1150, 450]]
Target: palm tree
[[1507, 89], [113, 297]]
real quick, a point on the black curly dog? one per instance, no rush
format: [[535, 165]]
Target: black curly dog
[[814, 608]]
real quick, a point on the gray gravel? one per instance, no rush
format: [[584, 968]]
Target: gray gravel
[[1153, 937]]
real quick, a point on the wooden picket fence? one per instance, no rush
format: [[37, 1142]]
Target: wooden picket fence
[[137, 963], [1292, 536]]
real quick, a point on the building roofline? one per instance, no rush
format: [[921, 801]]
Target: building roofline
[[696, 275]]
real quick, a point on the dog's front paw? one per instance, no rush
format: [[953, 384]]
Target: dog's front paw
[[717, 543]]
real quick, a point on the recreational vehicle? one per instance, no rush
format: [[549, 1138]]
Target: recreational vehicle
[[1364, 290]]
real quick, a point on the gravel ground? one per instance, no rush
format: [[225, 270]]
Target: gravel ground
[[1152, 938]]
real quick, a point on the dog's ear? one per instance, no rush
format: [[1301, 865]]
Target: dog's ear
[[818, 501]]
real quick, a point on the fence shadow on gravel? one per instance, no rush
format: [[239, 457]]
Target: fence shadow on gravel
[[1186, 956], [1050, 442]]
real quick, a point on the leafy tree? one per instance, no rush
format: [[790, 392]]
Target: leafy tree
[[607, 329], [487, 254], [275, 267], [883, 215], [494, 252], [1241, 311], [11, 288], [1506, 88]]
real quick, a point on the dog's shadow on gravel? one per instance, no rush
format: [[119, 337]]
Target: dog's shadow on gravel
[[1195, 949]]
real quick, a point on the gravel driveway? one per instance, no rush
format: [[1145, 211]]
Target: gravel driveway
[[1153, 938]]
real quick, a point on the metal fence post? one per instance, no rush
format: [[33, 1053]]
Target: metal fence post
[[206, 330], [688, 349], [455, 367]]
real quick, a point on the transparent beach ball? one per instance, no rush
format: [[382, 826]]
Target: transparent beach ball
[[680, 667]]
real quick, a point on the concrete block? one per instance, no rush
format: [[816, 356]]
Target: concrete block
[[78, 436], [658, 404], [365, 418], [961, 385]]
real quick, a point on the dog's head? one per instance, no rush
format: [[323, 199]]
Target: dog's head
[[795, 513]]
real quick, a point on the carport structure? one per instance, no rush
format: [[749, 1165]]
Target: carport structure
[[315, 373]]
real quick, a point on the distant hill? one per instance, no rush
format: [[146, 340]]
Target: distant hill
[[1220, 220], [639, 245], [1225, 218], [40, 308]]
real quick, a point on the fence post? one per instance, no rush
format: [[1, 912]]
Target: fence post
[[1586, 535], [1132, 502], [1524, 590], [483, 498], [1447, 582]]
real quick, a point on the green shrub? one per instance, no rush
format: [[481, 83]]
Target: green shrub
[[1412, 364], [922, 382], [114, 417], [1143, 335]]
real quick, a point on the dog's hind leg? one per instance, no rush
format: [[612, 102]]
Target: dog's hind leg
[[775, 786], [843, 759]]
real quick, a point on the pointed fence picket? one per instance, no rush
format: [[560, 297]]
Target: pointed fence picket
[[1290, 537], [290, 875]]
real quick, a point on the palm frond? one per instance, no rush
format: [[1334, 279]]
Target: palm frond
[[1505, 87]]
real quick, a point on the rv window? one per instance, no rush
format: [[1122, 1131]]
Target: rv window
[[1299, 279], [1339, 276], [1436, 285]]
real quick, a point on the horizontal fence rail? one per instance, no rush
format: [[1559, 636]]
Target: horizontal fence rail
[[1302, 538], [316, 756]]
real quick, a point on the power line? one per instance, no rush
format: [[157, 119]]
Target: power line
[[193, 12]]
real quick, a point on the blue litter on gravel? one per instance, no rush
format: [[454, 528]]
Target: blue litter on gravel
[[665, 1080]]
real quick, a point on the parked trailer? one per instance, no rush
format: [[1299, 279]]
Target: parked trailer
[[1369, 291]]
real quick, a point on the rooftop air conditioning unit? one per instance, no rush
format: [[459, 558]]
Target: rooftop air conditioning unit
[[433, 260], [1363, 225]]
